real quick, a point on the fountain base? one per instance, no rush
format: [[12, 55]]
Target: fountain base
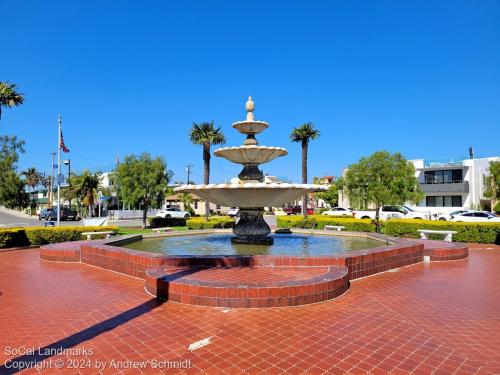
[[251, 228], [252, 240]]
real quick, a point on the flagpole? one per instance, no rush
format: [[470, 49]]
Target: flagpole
[[59, 170]]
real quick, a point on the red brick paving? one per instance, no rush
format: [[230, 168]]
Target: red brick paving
[[440, 318]]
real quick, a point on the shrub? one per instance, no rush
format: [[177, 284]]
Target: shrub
[[40, 235], [467, 232], [497, 208], [13, 237], [319, 222], [160, 222], [212, 223]]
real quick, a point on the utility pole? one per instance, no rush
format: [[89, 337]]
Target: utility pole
[[68, 163], [51, 192], [59, 170], [188, 171]]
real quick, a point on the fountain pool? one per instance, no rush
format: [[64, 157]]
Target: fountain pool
[[284, 244]]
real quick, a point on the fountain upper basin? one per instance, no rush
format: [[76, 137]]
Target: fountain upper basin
[[250, 127], [250, 194], [250, 154]]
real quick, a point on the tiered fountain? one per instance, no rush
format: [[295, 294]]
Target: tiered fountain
[[251, 193]]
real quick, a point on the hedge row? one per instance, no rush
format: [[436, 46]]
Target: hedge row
[[212, 223], [467, 232], [319, 222], [160, 222], [15, 237]]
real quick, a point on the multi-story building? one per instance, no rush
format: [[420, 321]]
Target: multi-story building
[[453, 183], [449, 184]]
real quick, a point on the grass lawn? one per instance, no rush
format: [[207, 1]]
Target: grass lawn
[[139, 230]]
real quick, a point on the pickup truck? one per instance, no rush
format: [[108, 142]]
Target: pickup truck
[[393, 212]]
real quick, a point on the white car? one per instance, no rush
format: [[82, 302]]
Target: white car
[[449, 216], [393, 212], [338, 211], [233, 211], [173, 212], [476, 216]]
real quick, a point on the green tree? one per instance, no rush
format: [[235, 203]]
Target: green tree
[[87, 190], [206, 135], [331, 196], [32, 178], [143, 181], [12, 193], [187, 199], [9, 97], [382, 179], [304, 134], [492, 184]]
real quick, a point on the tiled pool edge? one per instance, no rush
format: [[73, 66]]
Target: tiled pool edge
[[357, 264]]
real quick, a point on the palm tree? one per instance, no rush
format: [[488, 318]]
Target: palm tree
[[206, 134], [303, 134], [32, 178], [187, 199], [88, 190], [9, 97]]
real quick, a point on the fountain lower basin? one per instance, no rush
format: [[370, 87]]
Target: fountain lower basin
[[251, 194]]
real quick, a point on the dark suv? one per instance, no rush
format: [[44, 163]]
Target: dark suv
[[66, 214]]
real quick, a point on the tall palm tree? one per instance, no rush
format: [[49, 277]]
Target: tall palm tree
[[9, 97], [32, 178], [303, 134], [88, 190], [206, 134]]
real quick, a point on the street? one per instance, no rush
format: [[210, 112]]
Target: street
[[8, 219]]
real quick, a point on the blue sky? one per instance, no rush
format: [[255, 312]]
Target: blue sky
[[420, 77]]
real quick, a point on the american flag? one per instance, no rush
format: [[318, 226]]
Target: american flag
[[62, 146]]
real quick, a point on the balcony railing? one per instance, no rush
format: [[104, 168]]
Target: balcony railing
[[445, 182]]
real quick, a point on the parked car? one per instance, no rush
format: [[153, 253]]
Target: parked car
[[44, 213], [173, 212], [393, 212], [279, 212], [450, 215], [66, 214], [476, 216], [338, 211], [293, 210], [233, 211]]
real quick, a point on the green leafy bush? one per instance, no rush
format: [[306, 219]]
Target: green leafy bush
[[13, 237], [467, 232], [216, 222], [16, 237], [160, 222], [319, 222], [497, 208]]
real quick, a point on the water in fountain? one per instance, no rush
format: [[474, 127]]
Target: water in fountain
[[251, 193]]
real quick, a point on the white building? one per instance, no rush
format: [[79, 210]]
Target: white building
[[449, 185], [452, 184]]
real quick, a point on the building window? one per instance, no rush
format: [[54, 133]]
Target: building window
[[448, 176], [195, 205], [444, 201]]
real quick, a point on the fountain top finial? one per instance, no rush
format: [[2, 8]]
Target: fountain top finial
[[250, 106]]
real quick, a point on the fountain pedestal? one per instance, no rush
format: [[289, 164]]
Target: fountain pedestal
[[251, 228]]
